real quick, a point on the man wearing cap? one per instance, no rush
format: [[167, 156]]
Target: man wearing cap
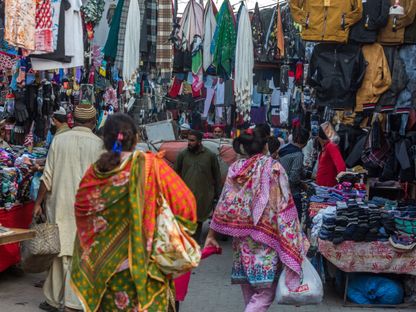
[[199, 169], [59, 124], [70, 155]]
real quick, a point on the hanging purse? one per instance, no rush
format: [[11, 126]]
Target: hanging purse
[[174, 251]]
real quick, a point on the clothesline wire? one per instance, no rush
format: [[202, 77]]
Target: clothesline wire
[[239, 3]]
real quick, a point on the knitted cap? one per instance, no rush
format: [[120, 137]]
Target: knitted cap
[[85, 112]]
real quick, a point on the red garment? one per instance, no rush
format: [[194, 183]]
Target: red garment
[[330, 164]]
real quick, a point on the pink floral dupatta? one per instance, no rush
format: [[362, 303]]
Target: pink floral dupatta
[[256, 202]]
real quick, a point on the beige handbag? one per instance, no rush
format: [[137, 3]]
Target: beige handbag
[[175, 252], [39, 252]]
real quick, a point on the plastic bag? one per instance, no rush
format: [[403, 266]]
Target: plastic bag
[[370, 289], [310, 291], [34, 186]]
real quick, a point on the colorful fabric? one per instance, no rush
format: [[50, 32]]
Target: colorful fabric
[[44, 34], [7, 62], [372, 257], [256, 202], [224, 42], [164, 52], [116, 217], [254, 263], [110, 48], [20, 23]]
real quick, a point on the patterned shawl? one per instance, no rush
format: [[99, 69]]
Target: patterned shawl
[[224, 41], [116, 217], [256, 202]]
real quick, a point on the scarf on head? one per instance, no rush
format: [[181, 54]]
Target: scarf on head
[[256, 202]]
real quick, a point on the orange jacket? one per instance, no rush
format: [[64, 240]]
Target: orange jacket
[[377, 79], [326, 20]]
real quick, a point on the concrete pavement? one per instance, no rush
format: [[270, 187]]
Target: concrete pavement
[[210, 291]]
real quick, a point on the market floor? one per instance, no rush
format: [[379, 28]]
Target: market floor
[[210, 291]]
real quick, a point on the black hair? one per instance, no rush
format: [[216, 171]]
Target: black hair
[[117, 124], [322, 134], [196, 134], [274, 144], [265, 128], [250, 142], [300, 136], [60, 118]]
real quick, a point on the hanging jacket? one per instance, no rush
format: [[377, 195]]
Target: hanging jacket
[[399, 77], [377, 79], [375, 16], [393, 32], [336, 72], [294, 45], [410, 33], [407, 98], [326, 23]]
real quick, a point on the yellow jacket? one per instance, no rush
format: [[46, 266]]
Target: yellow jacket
[[395, 36], [377, 79], [326, 20]]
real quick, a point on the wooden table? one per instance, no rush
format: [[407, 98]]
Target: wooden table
[[17, 235]]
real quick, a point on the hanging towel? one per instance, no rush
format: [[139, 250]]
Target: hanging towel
[[131, 60], [164, 51], [210, 23], [244, 63]]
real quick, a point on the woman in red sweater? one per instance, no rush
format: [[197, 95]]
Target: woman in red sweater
[[330, 161]]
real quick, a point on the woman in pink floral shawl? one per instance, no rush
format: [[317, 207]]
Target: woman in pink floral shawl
[[257, 210]]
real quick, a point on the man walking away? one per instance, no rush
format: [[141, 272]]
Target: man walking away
[[291, 158], [70, 155], [199, 169]]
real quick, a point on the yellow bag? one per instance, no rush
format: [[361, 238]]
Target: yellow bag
[[174, 251]]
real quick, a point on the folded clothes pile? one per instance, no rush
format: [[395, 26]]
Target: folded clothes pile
[[330, 196], [404, 236], [359, 222]]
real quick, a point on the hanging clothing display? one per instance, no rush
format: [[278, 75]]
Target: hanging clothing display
[[326, 20], [244, 65], [223, 44], [210, 24], [375, 16], [377, 78], [20, 23], [393, 32], [131, 59], [336, 72], [191, 24], [43, 32], [118, 62], [164, 48]]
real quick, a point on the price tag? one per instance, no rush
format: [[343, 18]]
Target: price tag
[[327, 3]]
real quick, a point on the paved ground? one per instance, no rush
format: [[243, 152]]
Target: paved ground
[[210, 291]]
